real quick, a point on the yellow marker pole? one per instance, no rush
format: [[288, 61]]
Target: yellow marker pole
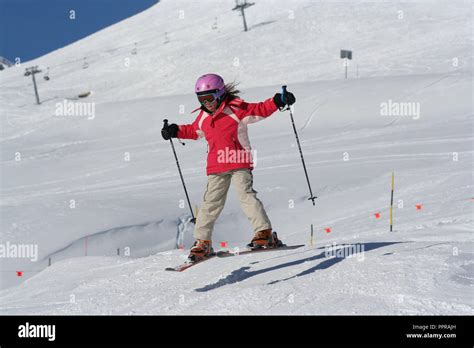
[[391, 202]]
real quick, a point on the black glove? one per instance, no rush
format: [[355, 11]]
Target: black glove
[[169, 131], [289, 99]]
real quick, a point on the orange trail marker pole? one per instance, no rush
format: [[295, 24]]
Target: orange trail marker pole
[[391, 202]]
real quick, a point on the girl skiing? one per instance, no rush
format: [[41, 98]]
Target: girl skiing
[[222, 121]]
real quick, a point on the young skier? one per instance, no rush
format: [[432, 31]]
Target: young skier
[[222, 121]]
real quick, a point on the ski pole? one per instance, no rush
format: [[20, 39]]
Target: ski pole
[[312, 198], [193, 220], [391, 202]]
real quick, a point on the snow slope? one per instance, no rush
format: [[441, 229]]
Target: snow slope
[[424, 267]]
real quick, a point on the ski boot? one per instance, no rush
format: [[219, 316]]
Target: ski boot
[[201, 250], [265, 239]]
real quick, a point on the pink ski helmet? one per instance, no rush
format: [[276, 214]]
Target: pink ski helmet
[[210, 84]]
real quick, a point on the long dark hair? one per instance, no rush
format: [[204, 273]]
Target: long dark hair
[[231, 91]]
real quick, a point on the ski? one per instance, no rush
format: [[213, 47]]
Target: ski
[[225, 253], [237, 253], [184, 266]]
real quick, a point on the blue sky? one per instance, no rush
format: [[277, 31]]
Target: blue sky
[[32, 28]]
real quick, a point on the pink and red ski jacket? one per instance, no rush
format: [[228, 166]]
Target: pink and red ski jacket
[[226, 133]]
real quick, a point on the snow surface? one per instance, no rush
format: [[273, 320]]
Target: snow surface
[[138, 206]]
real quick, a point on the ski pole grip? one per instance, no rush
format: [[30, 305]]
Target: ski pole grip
[[283, 94], [166, 122]]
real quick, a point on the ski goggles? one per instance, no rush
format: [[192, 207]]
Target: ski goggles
[[209, 96]]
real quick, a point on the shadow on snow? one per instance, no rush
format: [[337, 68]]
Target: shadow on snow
[[244, 273]]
